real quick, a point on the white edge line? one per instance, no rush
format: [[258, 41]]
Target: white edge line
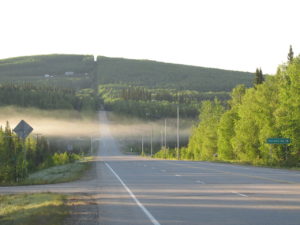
[[234, 192], [148, 214]]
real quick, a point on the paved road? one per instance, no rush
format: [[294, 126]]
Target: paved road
[[132, 190], [182, 192]]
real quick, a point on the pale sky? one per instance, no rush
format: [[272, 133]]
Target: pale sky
[[227, 34]]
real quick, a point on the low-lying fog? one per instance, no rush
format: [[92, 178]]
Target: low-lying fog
[[67, 123]]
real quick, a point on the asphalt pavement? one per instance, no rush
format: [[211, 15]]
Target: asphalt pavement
[[146, 191]]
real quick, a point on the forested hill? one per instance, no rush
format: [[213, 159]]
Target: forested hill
[[45, 64], [166, 75], [146, 73]]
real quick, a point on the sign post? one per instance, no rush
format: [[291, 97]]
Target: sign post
[[23, 129], [283, 141]]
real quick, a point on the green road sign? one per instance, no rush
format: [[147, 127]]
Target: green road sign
[[278, 140]]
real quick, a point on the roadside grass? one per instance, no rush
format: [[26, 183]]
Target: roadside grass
[[33, 209], [59, 174], [166, 156]]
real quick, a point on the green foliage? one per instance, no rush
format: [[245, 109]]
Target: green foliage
[[47, 97], [166, 153], [259, 78], [58, 174], [203, 142], [60, 158], [40, 153], [50, 70], [32, 209], [40, 65], [154, 103], [153, 74], [290, 55], [89, 74], [269, 110]]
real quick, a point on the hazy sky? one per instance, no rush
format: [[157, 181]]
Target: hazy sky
[[228, 34]]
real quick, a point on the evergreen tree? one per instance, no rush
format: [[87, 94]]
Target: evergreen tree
[[290, 55], [259, 78]]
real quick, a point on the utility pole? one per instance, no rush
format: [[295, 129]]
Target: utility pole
[[165, 133], [91, 145], [37, 135], [178, 147], [142, 145], [151, 141], [161, 139]]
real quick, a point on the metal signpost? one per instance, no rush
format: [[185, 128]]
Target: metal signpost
[[23, 129]]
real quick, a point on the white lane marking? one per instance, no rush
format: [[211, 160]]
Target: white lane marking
[[177, 175], [235, 192], [148, 214], [200, 182]]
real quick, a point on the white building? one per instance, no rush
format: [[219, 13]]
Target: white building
[[69, 73]]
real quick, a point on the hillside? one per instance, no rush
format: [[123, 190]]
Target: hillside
[[45, 64], [154, 74], [49, 70], [146, 73]]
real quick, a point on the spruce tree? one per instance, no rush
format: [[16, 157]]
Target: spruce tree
[[259, 78], [290, 55]]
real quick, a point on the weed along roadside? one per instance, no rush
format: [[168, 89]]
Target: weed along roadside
[[33, 209], [43, 207], [59, 174]]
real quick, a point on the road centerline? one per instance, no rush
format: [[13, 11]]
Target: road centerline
[[237, 193], [148, 214]]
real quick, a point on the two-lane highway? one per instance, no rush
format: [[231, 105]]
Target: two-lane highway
[[131, 190], [144, 191]]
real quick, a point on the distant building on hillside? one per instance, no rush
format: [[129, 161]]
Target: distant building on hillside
[[69, 73]]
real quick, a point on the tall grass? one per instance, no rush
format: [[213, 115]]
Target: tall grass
[[32, 209]]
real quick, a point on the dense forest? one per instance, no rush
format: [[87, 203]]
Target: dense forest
[[40, 65], [142, 88], [154, 74], [47, 97], [69, 71], [18, 157], [270, 109], [81, 71], [154, 103]]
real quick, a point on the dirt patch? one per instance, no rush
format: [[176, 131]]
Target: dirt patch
[[83, 210], [83, 207]]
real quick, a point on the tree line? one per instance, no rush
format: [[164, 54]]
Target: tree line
[[239, 132], [46, 97], [152, 74], [18, 158], [154, 103]]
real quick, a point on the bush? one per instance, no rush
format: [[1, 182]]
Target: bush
[[60, 159]]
